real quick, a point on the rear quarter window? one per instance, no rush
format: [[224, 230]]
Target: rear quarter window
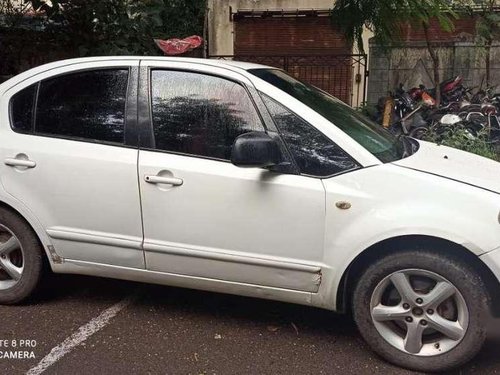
[[21, 109]]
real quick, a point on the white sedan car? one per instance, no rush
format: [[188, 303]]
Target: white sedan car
[[237, 178]]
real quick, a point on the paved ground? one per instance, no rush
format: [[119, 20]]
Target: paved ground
[[175, 331]]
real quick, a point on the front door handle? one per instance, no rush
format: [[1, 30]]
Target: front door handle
[[14, 162], [163, 180]]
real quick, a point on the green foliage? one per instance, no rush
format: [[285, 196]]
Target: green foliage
[[458, 137], [386, 17], [122, 27], [488, 23]]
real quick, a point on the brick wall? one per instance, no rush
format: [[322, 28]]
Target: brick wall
[[301, 45], [463, 27], [288, 36]]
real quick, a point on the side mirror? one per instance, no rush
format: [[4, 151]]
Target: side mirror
[[255, 150]]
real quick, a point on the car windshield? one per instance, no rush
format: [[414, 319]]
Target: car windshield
[[378, 141]]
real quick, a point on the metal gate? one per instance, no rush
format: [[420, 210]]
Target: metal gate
[[342, 75]]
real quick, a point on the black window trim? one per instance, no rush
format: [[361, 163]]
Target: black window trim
[[359, 166], [33, 109], [147, 140], [130, 121]]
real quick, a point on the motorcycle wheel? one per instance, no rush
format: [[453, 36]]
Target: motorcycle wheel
[[419, 132]]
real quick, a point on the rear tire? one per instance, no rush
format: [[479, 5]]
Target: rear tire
[[398, 333], [21, 259]]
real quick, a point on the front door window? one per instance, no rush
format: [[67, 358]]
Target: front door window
[[199, 114]]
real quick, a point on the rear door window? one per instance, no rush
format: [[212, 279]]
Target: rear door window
[[83, 105]]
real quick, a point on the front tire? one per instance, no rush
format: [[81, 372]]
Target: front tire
[[421, 310], [21, 259]]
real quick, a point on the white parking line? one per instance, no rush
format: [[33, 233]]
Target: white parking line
[[82, 334]]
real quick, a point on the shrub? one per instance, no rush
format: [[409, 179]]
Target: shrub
[[462, 139]]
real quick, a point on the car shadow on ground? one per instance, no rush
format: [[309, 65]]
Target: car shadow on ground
[[324, 326]]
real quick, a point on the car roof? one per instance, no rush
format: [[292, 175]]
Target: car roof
[[220, 62]]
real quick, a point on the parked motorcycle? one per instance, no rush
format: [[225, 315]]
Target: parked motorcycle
[[414, 112]]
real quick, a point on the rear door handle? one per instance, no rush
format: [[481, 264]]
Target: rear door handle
[[13, 162], [163, 180]]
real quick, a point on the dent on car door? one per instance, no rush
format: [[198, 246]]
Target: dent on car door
[[67, 161], [209, 218]]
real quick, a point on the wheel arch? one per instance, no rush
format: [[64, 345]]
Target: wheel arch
[[35, 227], [391, 245]]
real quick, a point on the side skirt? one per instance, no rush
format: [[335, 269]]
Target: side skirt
[[184, 281]]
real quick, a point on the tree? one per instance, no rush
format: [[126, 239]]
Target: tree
[[387, 17], [487, 29], [12, 13], [120, 27]]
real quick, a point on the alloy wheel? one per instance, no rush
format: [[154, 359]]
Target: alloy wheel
[[11, 258], [419, 312]]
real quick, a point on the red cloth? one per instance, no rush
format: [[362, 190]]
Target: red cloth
[[178, 46]]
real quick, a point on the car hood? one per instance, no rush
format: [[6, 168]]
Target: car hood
[[454, 164]]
